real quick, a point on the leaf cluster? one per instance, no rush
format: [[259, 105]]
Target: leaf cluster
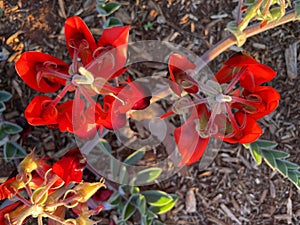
[[10, 148]]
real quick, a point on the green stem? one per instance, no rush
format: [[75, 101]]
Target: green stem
[[227, 42]]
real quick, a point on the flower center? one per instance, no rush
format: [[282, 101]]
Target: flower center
[[220, 98]]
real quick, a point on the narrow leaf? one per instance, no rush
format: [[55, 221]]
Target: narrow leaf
[[123, 176], [141, 204], [128, 210], [104, 145], [291, 166], [292, 175], [2, 134], [4, 96], [282, 167], [270, 159], [157, 198], [10, 128], [148, 175], [256, 153], [264, 144], [2, 107], [165, 208], [13, 150], [135, 157], [112, 22], [146, 221], [106, 9], [278, 154], [114, 199]]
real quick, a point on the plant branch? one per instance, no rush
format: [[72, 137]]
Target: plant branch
[[227, 42]]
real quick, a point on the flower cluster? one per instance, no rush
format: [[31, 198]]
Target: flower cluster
[[234, 102], [41, 190], [95, 65]]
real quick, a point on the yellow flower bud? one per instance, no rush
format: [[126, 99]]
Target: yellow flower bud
[[87, 190], [28, 164]]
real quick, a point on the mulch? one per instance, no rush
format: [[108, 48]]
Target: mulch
[[232, 189]]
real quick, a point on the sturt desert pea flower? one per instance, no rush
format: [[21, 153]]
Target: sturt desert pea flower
[[94, 66], [234, 104], [51, 197]]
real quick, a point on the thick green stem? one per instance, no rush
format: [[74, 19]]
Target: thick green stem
[[227, 42]]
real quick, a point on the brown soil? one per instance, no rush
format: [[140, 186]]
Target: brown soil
[[232, 190]]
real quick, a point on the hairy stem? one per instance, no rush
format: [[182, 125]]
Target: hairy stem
[[227, 42]]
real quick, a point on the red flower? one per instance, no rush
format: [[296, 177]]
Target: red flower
[[70, 167], [189, 142], [234, 106], [40, 111], [39, 71], [252, 72], [178, 68], [94, 63]]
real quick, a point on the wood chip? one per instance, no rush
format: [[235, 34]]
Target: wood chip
[[229, 213], [291, 60], [215, 220], [289, 207], [259, 46], [184, 19], [192, 27], [61, 10], [272, 190], [17, 88], [190, 201]]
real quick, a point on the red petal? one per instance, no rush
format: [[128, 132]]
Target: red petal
[[256, 75], [112, 53], [115, 36], [29, 65], [136, 95], [111, 118], [77, 31], [178, 66], [7, 209], [269, 101], [64, 120], [189, 143], [102, 195], [224, 75], [240, 60], [40, 111], [70, 167], [4, 189], [249, 133]]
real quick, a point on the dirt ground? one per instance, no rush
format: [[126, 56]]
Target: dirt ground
[[232, 190]]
